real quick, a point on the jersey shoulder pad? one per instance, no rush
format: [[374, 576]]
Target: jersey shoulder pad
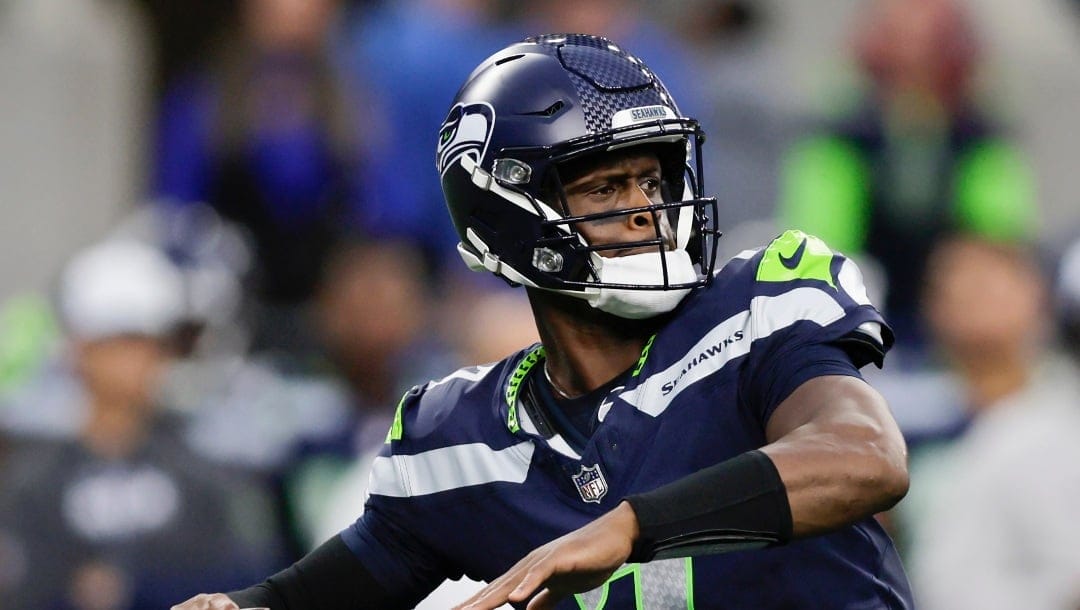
[[796, 259], [795, 255]]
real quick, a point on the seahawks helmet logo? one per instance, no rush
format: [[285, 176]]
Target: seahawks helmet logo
[[464, 132]]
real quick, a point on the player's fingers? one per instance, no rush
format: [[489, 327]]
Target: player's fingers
[[532, 580], [517, 584]]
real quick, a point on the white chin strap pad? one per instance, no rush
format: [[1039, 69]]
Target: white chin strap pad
[[643, 269]]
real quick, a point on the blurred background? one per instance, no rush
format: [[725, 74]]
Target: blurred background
[[226, 257]]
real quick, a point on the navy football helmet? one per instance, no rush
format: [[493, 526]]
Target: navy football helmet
[[536, 105]]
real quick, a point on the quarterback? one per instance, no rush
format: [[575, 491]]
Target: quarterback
[[684, 436]]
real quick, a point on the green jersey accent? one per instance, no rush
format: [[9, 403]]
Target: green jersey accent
[[512, 388], [688, 565], [396, 429], [644, 356], [796, 256]]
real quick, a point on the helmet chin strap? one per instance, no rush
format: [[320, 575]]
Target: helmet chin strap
[[642, 269]]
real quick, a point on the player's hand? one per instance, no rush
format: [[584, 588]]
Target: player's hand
[[208, 601], [579, 561]]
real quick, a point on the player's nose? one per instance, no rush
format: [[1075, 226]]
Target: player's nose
[[639, 199]]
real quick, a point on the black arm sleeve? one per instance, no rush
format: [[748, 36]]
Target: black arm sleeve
[[329, 578], [737, 504]]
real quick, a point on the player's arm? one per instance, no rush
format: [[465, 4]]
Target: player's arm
[[839, 453], [834, 456], [329, 577]]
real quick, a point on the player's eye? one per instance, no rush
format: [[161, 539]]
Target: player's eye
[[650, 185]]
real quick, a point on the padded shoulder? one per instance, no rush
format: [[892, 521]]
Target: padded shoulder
[[795, 255]]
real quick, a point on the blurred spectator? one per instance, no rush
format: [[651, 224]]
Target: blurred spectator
[[986, 310], [999, 528], [914, 159], [124, 515], [40, 393], [1002, 532], [271, 137]]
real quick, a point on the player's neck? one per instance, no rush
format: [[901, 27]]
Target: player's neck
[[586, 347]]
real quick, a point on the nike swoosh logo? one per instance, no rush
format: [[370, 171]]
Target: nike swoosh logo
[[792, 262]]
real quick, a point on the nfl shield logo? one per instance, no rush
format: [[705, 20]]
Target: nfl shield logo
[[590, 483]]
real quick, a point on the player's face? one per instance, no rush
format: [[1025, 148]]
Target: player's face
[[622, 182]]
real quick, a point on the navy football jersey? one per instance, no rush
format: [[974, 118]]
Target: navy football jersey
[[469, 482]]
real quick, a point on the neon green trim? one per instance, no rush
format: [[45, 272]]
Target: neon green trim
[[396, 429], [995, 193], [514, 385], [643, 357], [811, 258], [688, 573], [638, 601], [824, 191]]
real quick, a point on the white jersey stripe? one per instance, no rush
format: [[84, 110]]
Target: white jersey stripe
[[446, 468], [731, 339], [775, 313]]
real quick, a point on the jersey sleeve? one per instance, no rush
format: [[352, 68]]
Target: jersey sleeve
[[397, 536], [395, 558], [809, 316], [382, 539]]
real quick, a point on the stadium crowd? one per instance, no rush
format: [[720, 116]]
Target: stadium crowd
[[227, 257]]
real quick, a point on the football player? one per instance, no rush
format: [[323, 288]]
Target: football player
[[682, 437]]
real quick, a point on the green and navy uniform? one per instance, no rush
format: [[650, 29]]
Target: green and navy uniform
[[471, 480]]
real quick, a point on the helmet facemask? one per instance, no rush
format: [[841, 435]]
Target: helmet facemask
[[564, 257]]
